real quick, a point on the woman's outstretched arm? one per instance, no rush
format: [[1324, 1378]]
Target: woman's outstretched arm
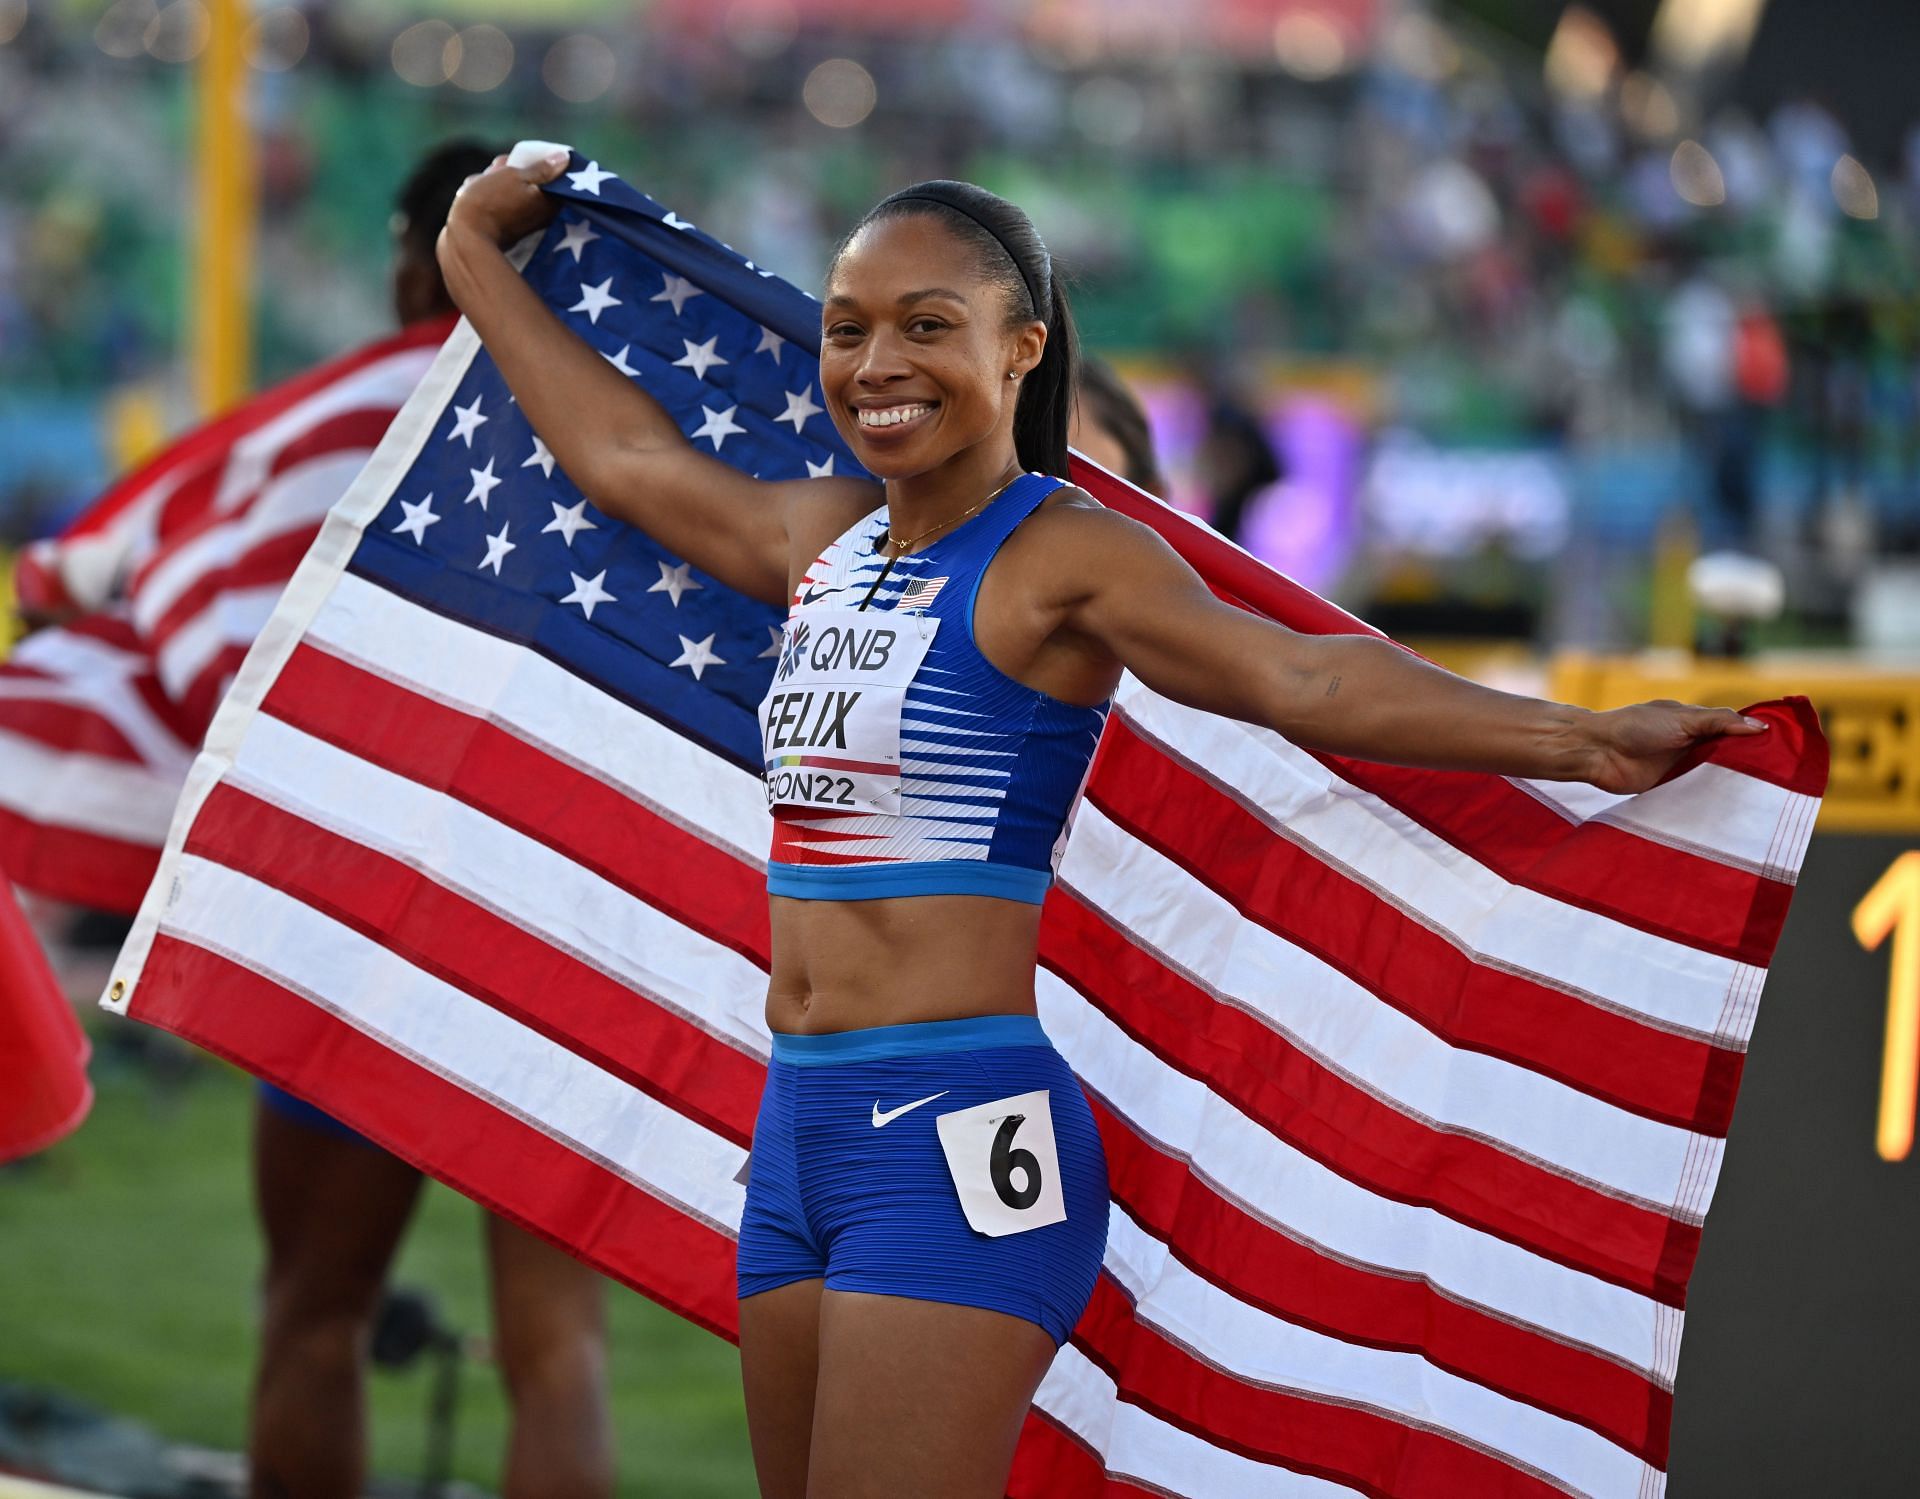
[[1351, 695], [612, 438]]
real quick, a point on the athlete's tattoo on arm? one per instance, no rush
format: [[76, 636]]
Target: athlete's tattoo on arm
[[1333, 687]]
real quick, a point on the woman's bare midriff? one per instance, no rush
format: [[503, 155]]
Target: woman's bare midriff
[[848, 965]]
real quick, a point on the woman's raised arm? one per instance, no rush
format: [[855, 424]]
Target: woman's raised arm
[[612, 438], [1354, 695]]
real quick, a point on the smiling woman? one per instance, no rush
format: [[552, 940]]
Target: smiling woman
[[926, 1207]]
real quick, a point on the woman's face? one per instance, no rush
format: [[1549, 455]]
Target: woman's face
[[915, 348]]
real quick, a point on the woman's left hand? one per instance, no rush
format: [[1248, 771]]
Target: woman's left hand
[[1632, 748]]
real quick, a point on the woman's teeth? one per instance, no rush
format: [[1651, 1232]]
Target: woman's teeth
[[891, 416]]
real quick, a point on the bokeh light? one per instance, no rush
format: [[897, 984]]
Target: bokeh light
[[1853, 189], [579, 68], [483, 60], [1309, 46], [425, 54], [1697, 176], [840, 93], [13, 16], [122, 29], [1648, 106], [179, 33], [277, 39]]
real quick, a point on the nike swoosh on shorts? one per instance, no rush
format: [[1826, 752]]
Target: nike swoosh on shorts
[[890, 1115]]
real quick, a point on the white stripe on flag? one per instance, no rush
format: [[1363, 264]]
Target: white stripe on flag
[[1666, 982], [467, 1042], [294, 500], [1262, 1349], [234, 618], [546, 706], [1718, 813], [1382, 1049], [385, 382], [1277, 1182], [1142, 1447], [88, 793], [524, 881]]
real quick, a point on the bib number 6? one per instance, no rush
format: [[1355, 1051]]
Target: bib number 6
[[1004, 1164]]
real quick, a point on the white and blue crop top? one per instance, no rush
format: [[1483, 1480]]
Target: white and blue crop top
[[899, 761]]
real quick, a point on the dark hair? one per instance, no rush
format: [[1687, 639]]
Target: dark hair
[[1106, 402], [421, 206], [1009, 253]]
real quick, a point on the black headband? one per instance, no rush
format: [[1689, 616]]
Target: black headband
[[1033, 292]]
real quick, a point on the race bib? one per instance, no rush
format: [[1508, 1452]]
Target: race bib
[[1002, 1159], [830, 725]]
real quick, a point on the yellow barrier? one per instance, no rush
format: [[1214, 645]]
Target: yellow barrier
[[1871, 715]]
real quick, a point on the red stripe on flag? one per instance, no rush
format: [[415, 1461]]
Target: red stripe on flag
[[1368, 1449], [1287, 889], [1595, 866], [1053, 1463], [64, 726], [1340, 1124], [1297, 1281], [550, 991], [207, 446], [492, 1156], [268, 564], [87, 869], [522, 787]]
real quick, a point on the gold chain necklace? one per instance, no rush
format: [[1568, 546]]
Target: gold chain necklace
[[901, 547]]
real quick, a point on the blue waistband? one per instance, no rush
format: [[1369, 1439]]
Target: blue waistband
[[929, 877], [878, 1042]]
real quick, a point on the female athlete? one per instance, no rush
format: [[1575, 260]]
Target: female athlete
[[927, 1206]]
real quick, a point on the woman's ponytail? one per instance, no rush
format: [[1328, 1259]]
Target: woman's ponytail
[[1045, 413]]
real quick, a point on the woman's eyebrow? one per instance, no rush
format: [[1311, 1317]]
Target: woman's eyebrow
[[906, 299]]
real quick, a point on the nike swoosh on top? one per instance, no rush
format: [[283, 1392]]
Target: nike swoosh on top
[[892, 1114]]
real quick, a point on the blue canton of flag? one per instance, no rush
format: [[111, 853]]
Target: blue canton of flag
[[486, 528]]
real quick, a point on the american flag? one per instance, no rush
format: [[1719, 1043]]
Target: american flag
[[920, 593], [1413, 1086], [178, 565]]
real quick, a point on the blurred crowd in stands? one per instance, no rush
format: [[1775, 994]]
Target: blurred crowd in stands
[[1413, 265]]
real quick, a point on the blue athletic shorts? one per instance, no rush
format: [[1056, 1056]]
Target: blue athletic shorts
[[300, 1111], [854, 1177]]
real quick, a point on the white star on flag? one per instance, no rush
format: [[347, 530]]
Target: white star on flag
[[595, 300], [770, 343], [579, 235], [700, 357], [541, 457], [619, 362], [674, 221], [497, 549], [773, 648], [484, 484], [587, 592], [820, 470], [418, 518], [568, 519], [799, 407], [678, 291], [466, 421], [589, 180], [697, 656], [675, 581], [719, 425]]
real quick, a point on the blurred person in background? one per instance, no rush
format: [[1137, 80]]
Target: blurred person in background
[[333, 1205], [1236, 460], [1110, 427]]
